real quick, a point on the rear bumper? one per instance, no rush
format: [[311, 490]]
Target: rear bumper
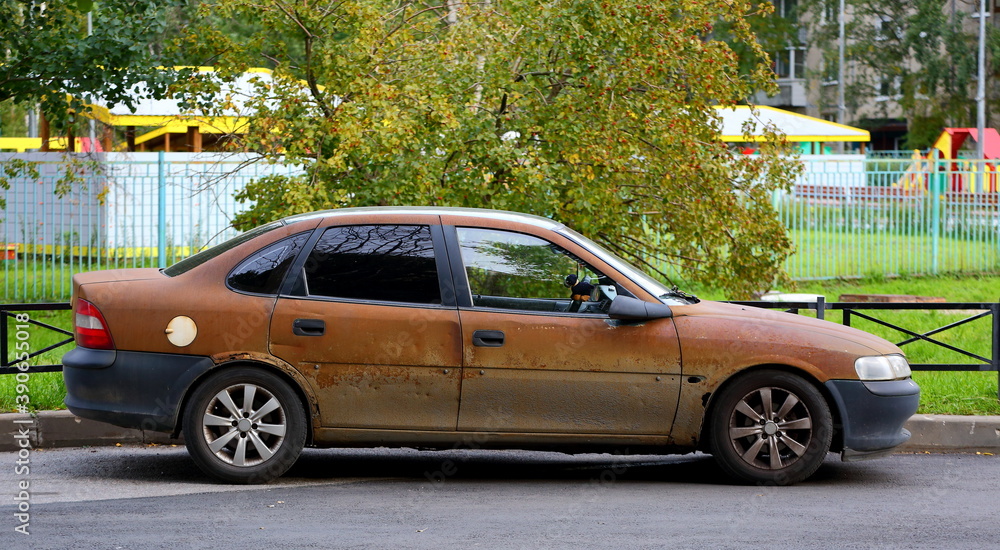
[[130, 389], [872, 415]]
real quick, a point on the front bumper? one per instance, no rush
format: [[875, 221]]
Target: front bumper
[[128, 388], [872, 415]]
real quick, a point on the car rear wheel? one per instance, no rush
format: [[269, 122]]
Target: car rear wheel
[[770, 427], [244, 425]]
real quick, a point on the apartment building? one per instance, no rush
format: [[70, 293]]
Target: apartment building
[[909, 66]]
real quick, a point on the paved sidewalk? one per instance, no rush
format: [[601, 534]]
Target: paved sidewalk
[[933, 433]]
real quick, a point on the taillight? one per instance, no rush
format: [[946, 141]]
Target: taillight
[[91, 328]]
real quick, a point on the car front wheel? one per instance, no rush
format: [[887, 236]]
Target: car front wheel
[[244, 425], [770, 427]]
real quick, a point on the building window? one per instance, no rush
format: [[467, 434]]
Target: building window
[[790, 63], [886, 28], [888, 88], [787, 9], [831, 75], [831, 12]]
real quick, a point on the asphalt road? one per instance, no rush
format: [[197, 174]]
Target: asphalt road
[[154, 497]]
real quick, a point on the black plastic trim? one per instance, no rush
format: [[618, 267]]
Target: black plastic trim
[[463, 293], [536, 313], [86, 358], [873, 422], [294, 285], [446, 279], [137, 390], [892, 388], [365, 302]]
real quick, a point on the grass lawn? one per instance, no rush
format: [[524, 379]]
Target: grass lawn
[[45, 389], [943, 392], [835, 253]]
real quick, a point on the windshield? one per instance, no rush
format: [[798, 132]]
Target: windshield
[[192, 262], [665, 294]]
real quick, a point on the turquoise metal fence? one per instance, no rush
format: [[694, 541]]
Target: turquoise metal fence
[[848, 215], [115, 210], [889, 216]]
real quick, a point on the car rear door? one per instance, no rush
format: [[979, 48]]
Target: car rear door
[[369, 319]]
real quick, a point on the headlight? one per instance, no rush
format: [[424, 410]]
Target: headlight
[[882, 367]]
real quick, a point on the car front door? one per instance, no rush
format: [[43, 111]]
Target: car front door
[[538, 361], [364, 320]]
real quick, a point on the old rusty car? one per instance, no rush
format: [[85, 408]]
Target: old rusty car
[[430, 327]]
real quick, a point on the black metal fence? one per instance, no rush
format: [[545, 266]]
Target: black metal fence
[[9, 312], [851, 311]]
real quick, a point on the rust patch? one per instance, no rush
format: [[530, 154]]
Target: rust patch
[[386, 396]]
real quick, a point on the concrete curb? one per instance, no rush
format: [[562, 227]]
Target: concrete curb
[[50, 429], [953, 434]]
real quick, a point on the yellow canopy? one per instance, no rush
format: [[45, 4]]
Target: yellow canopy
[[796, 127]]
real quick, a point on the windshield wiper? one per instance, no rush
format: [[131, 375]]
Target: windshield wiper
[[678, 293]]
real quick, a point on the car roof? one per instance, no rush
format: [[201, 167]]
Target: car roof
[[482, 213]]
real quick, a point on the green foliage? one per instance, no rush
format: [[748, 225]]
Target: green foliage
[[46, 56], [923, 130], [594, 113], [12, 121], [773, 32], [918, 54]]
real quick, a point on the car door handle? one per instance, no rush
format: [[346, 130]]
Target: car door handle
[[308, 327], [487, 338]]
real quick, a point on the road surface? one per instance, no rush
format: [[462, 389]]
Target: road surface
[[154, 497]]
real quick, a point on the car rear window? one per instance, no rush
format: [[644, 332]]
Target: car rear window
[[263, 271], [192, 262]]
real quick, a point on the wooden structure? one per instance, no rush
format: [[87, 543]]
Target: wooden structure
[[164, 125], [157, 124]]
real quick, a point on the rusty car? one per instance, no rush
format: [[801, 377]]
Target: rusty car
[[432, 327]]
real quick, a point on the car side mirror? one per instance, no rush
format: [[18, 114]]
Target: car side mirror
[[626, 307]]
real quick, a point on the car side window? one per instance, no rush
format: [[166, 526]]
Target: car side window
[[263, 271], [390, 263], [516, 271]]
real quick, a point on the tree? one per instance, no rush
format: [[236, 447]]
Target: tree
[[773, 33], [46, 56], [919, 55], [596, 113]]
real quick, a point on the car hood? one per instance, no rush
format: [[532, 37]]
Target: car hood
[[789, 322]]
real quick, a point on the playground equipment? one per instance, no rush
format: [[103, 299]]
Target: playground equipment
[[965, 175]]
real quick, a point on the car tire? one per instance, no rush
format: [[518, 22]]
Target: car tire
[[770, 427], [244, 425]]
